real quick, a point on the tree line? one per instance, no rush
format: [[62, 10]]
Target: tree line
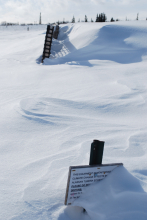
[[99, 18]]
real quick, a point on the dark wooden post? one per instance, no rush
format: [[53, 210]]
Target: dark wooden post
[[96, 153]]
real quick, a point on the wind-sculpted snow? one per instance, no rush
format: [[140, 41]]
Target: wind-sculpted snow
[[115, 42], [55, 111], [50, 114]]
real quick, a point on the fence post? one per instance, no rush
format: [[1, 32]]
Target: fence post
[[48, 41]]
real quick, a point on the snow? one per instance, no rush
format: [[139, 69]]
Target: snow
[[118, 196], [92, 87]]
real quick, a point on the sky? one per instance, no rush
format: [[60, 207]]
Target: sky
[[27, 11]]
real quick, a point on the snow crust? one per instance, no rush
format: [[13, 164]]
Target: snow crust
[[93, 87]]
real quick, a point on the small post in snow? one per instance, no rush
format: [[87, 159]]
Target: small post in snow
[[96, 153]]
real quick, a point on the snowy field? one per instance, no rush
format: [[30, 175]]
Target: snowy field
[[94, 86]]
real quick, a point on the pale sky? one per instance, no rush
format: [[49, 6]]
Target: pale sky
[[27, 11]]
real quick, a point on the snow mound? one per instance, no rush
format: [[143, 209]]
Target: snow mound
[[78, 43], [118, 196]]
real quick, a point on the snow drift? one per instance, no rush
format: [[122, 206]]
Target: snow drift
[[115, 42], [118, 196]]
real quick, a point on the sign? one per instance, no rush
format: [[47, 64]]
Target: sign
[[80, 177]]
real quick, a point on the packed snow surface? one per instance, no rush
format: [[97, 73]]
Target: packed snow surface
[[94, 86]]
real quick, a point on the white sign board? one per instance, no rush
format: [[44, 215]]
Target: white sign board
[[80, 177]]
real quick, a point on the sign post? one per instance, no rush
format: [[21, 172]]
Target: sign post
[[80, 177], [96, 154]]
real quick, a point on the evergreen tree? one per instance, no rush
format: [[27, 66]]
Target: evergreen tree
[[137, 16], [91, 20], [112, 20], [104, 17], [101, 18], [73, 20], [97, 18], [86, 19]]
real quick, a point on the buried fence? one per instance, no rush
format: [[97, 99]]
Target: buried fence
[[48, 41], [50, 33], [56, 32]]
